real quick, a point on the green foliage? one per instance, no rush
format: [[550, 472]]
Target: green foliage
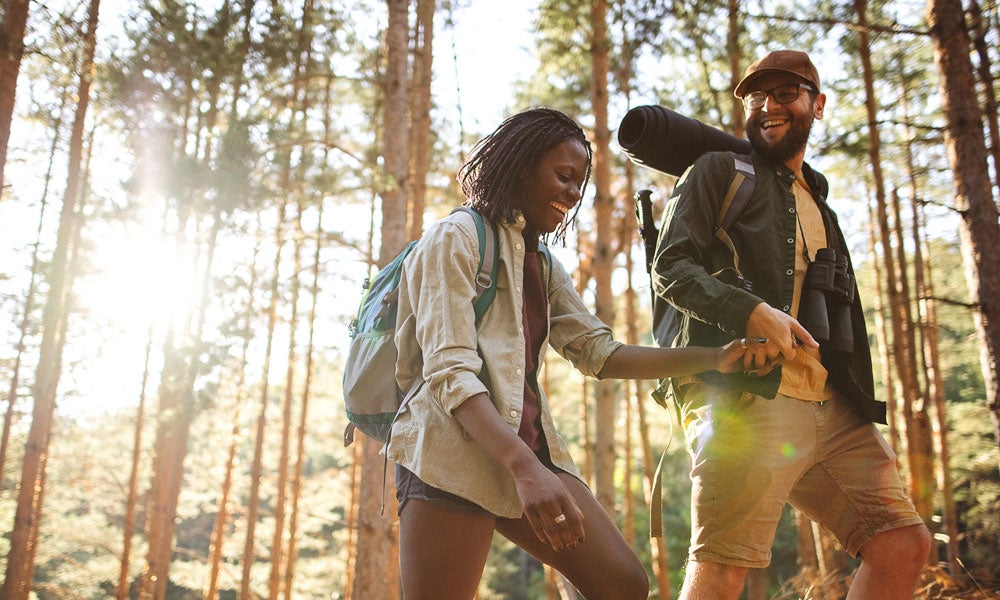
[[976, 480]]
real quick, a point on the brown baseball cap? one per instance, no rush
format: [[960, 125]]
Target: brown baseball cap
[[787, 61]]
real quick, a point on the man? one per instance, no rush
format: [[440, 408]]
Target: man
[[797, 425]]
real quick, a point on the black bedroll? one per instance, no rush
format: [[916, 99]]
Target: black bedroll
[[667, 141]]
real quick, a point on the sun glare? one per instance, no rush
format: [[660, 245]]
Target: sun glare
[[142, 280]]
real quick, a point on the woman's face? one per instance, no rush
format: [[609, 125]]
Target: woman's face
[[553, 187]]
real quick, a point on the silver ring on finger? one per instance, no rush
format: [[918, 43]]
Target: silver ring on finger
[[559, 519]]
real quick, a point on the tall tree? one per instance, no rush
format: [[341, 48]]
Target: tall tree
[[980, 230], [20, 564], [918, 438], [15, 20], [376, 574], [420, 115], [603, 261]]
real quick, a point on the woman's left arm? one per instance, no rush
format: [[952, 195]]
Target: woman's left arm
[[646, 362]]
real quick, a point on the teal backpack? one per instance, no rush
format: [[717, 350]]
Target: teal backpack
[[370, 391]]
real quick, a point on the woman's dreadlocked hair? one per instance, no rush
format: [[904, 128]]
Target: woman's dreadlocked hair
[[497, 170]]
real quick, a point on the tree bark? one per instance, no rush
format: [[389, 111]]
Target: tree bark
[[919, 438], [902, 323], [881, 335], [122, 590], [20, 563], [257, 465], [15, 20], [604, 391], [979, 232], [985, 71], [376, 575], [420, 115], [300, 435]]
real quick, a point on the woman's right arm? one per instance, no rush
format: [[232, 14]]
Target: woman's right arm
[[543, 496]]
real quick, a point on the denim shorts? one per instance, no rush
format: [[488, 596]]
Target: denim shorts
[[409, 486], [752, 455]]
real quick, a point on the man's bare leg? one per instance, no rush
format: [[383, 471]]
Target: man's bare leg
[[712, 581], [891, 563]]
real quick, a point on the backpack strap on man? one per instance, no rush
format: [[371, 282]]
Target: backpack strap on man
[[735, 202]]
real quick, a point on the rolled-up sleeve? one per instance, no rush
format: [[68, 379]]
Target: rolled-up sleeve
[[576, 333]]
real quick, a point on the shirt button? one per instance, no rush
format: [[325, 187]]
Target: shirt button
[[518, 246], [790, 240], [518, 289], [513, 413], [791, 209], [785, 308], [789, 272], [519, 372]]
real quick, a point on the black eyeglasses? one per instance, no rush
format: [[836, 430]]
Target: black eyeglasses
[[783, 94]]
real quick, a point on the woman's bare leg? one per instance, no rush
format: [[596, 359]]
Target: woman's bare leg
[[602, 567], [442, 550]]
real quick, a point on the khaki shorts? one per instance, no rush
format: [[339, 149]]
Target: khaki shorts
[[750, 455]]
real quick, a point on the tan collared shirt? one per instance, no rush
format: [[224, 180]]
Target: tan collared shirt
[[804, 377], [438, 341]]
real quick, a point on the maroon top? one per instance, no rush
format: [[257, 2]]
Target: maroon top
[[534, 317]]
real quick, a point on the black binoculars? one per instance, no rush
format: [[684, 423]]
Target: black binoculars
[[827, 295]]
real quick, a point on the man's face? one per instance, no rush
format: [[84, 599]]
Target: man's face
[[780, 131]]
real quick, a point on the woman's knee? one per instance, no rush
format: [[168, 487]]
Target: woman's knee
[[636, 582], [624, 579]]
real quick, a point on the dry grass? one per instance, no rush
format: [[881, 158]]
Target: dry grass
[[936, 583]]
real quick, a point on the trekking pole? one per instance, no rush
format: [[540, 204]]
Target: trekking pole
[[647, 229]]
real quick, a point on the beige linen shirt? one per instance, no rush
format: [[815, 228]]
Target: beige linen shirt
[[438, 341]]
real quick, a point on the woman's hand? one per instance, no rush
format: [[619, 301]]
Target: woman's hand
[[732, 357], [549, 506]]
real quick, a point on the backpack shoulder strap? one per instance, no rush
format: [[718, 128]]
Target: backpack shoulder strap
[[489, 264], [544, 249], [735, 202], [739, 192]]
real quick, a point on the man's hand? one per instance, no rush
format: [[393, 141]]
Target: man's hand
[[783, 333]]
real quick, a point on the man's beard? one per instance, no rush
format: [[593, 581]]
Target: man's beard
[[793, 142]]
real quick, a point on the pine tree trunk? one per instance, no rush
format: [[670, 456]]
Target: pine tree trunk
[[287, 398], [300, 434], [902, 323], [222, 507], [658, 545], [881, 335], [257, 466], [734, 50], [122, 591], [420, 115], [919, 443], [376, 576], [985, 71], [604, 391], [935, 388], [979, 232], [15, 19], [20, 564]]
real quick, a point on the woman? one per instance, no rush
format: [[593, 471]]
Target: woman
[[476, 449]]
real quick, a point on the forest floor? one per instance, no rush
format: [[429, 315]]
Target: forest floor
[[936, 583]]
